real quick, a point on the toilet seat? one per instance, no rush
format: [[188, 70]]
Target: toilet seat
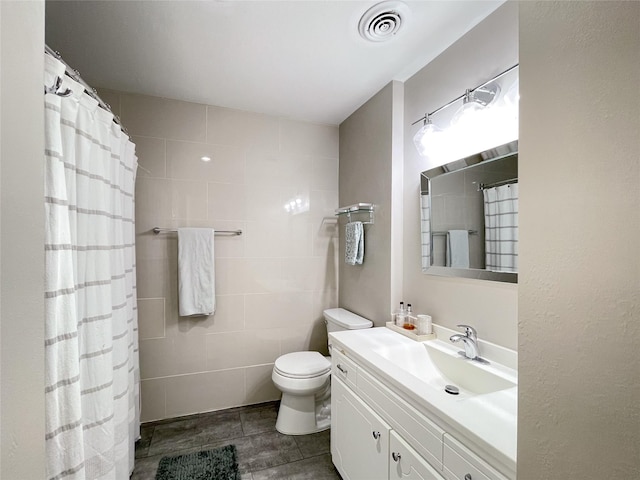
[[302, 365]]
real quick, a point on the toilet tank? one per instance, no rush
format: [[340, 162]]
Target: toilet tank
[[341, 319]]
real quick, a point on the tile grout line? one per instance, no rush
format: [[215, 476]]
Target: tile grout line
[[260, 416]]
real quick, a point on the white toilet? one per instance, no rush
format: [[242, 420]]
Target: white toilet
[[304, 380]]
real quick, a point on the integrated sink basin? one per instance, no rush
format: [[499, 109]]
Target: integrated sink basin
[[438, 364]]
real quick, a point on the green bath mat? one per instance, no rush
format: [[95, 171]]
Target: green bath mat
[[218, 464]]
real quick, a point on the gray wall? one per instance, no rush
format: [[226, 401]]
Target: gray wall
[[366, 153], [579, 304], [488, 49], [21, 241]]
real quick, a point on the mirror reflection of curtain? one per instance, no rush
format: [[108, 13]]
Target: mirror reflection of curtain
[[501, 228], [425, 220]]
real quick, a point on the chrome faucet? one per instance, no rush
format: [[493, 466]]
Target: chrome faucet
[[470, 340]]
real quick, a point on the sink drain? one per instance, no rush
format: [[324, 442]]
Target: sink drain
[[451, 389]]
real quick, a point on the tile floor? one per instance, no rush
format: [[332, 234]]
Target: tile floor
[[263, 453]]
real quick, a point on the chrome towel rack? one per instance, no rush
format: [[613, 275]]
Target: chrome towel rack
[[471, 232], [357, 208], [158, 230]]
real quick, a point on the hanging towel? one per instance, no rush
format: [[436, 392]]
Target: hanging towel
[[196, 272], [354, 243], [458, 248]]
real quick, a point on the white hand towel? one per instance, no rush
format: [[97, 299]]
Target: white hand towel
[[458, 248], [196, 272], [354, 243]]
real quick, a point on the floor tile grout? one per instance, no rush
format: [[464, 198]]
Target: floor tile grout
[[263, 453]]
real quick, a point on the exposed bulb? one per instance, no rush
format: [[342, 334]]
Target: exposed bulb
[[427, 140]]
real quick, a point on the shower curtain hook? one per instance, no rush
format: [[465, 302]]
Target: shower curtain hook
[[56, 89]]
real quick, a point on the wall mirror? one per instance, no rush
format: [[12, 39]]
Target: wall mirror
[[469, 216]]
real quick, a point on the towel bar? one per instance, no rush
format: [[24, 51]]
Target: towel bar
[[158, 230], [471, 232]]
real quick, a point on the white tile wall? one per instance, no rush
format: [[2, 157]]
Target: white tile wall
[[272, 283], [151, 318]]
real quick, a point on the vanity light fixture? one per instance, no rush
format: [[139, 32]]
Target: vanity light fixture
[[473, 125], [427, 137], [476, 100], [472, 121]]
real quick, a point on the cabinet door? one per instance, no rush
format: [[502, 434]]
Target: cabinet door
[[423, 435], [359, 437], [406, 464]]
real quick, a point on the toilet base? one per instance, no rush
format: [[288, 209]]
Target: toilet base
[[302, 415]]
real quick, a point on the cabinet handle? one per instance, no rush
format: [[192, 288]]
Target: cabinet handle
[[468, 477], [376, 435], [396, 457], [343, 370]]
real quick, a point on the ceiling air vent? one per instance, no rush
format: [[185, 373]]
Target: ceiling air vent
[[382, 21]]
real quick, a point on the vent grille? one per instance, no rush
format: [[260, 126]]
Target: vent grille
[[383, 21]]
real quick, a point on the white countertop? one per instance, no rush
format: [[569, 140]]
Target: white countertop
[[488, 421]]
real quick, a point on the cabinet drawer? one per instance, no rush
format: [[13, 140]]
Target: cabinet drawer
[[343, 368], [462, 464], [421, 433]]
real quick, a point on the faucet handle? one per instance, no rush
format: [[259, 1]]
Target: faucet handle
[[469, 331]]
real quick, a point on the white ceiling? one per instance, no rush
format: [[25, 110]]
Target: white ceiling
[[299, 59]]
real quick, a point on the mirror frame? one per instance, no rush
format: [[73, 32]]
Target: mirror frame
[[496, 153]]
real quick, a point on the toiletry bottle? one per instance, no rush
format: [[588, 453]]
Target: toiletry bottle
[[408, 321], [401, 315]]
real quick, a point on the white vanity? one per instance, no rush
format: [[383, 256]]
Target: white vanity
[[391, 417]]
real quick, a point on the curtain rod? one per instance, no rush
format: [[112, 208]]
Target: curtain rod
[[424, 119], [75, 74], [484, 186]]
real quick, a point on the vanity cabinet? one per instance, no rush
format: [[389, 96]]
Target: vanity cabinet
[[377, 435]]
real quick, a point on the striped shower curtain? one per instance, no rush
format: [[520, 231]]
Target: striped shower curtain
[[501, 228], [91, 345], [425, 231]]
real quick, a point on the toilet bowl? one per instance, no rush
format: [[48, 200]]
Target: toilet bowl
[[304, 380]]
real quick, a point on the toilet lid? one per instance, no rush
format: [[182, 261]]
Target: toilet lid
[[302, 365]]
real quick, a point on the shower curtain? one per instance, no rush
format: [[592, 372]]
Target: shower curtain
[[425, 231], [501, 228], [91, 345]]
